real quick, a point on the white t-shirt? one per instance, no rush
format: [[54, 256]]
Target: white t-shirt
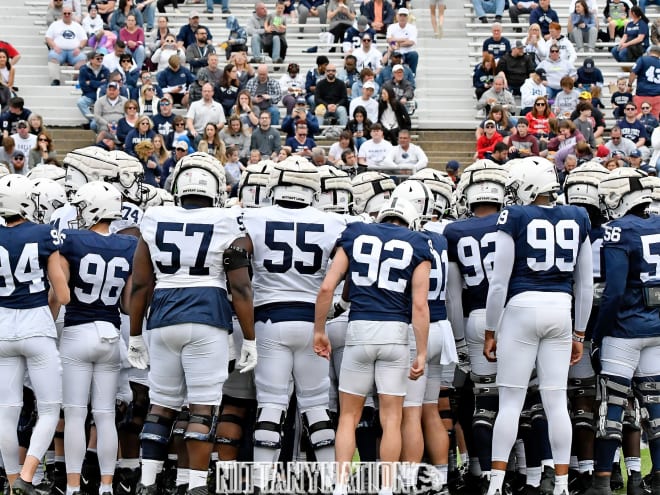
[[66, 36], [376, 154], [25, 145], [371, 106], [409, 31]]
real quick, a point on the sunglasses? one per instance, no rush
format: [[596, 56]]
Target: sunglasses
[[646, 108], [131, 108], [144, 123], [490, 126], [554, 51], [179, 124], [66, 13], [100, 59], [149, 89], [42, 140], [632, 109], [19, 158], [164, 103], [540, 104]]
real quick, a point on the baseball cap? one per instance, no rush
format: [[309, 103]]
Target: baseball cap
[[403, 11], [397, 67], [97, 53], [396, 54], [588, 65], [585, 95], [489, 121], [181, 144], [113, 85], [22, 123], [602, 151], [363, 22], [452, 165], [636, 153], [519, 44], [365, 36], [541, 73], [17, 153], [301, 101], [92, 6], [369, 85], [193, 14]]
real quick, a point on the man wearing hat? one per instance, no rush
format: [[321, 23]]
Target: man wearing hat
[[531, 89], [556, 68], [18, 163], [367, 101], [65, 39], [647, 72], [589, 75], [300, 114], [404, 36], [635, 160], [108, 109], [516, 65], [23, 139], [597, 118], [403, 90], [353, 35], [187, 36], [367, 56], [386, 73], [91, 77], [452, 170]]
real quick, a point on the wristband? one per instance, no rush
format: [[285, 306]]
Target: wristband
[[578, 338]]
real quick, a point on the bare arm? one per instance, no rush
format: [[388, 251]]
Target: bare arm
[[142, 287], [420, 316]]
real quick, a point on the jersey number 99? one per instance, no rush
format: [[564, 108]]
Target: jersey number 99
[[551, 240]]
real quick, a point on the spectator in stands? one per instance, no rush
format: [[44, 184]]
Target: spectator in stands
[[582, 27], [543, 15], [523, 144], [566, 48], [12, 52], [360, 126], [36, 124], [565, 142], [300, 143], [500, 153], [353, 36], [92, 23], [341, 15], [647, 119], [503, 125], [197, 53], [265, 138], [148, 100], [539, 119], [127, 70], [233, 170], [366, 74], [379, 13], [148, 10], [226, 92], [17, 164], [7, 150], [292, 86], [331, 99], [236, 39], [408, 155], [44, 150], [54, 12], [635, 39], [248, 112], [403, 90], [65, 39], [233, 136], [517, 7], [497, 95], [584, 123], [451, 168], [487, 141], [128, 121], [112, 60], [144, 151], [348, 162], [621, 97], [634, 130], [300, 114], [366, 100], [392, 115], [516, 67], [589, 75], [273, 41], [213, 73], [597, 118], [535, 44], [23, 139], [256, 29], [556, 69], [164, 120], [181, 149], [102, 40], [484, 75], [483, 7], [404, 35], [437, 11], [120, 16], [313, 8], [367, 56], [344, 143], [646, 71], [180, 133], [616, 13], [176, 80], [160, 149], [186, 36], [314, 76], [143, 131], [167, 49], [375, 153], [209, 142], [7, 75], [265, 93], [245, 70], [566, 100], [91, 77], [109, 109], [203, 112], [619, 145], [532, 88], [106, 140], [497, 45], [106, 8], [349, 74], [654, 27], [394, 58], [11, 117], [133, 36], [158, 37]]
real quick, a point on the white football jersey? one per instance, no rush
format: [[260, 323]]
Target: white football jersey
[[437, 227], [131, 216], [291, 251], [186, 246]]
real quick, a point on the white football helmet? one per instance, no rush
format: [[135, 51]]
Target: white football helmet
[[130, 175], [16, 197], [4, 170], [623, 189], [85, 165], [253, 186], [294, 179], [48, 196], [46, 171], [402, 209], [371, 190], [581, 185], [199, 174], [440, 185], [529, 178], [96, 201], [419, 195], [654, 207], [481, 182], [155, 196], [336, 190]]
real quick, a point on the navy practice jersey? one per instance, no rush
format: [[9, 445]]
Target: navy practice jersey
[[438, 279], [631, 265], [24, 253], [471, 245], [382, 259], [99, 266], [547, 243]]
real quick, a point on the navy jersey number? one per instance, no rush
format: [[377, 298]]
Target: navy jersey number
[[104, 281], [558, 244], [438, 277], [285, 238], [195, 238], [130, 213], [367, 250], [469, 251], [27, 270], [651, 254]]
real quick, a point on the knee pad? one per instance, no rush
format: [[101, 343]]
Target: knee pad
[[485, 411], [319, 428], [612, 397], [181, 423], [579, 391], [581, 387], [234, 419], [210, 421], [155, 436], [268, 428], [632, 415], [647, 391], [134, 411]]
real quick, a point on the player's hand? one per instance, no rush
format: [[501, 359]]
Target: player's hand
[[138, 355], [595, 358], [248, 359], [463, 356], [417, 368], [322, 345], [576, 352], [490, 346], [338, 308]]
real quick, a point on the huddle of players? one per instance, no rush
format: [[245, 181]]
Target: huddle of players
[[390, 270]]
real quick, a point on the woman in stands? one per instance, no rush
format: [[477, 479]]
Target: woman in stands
[[43, 150], [582, 27], [148, 100], [539, 119], [635, 39], [120, 16], [244, 70], [344, 143], [244, 109], [7, 74], [535, 44], [503, 125], [226, 92], [160, 149], [133, 36], [127, 123], [210, 143], [360, 126], [484, 74], [392, 115], [36, 124]]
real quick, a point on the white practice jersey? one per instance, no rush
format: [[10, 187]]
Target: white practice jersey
[[131, 216], [291, 251]]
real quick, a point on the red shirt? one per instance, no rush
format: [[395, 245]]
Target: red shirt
[[485, 145], [539, 125]]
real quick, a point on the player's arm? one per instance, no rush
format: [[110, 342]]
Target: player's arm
[[584, 287], [142, 287], [125, 300], [420, 316], [335, 274], [455, 300], [615, 263], [59, 294], [236, 261]]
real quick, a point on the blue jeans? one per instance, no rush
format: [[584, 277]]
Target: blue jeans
[[149, 15], [225, 5], [483, 7], [67, 57], [411, 58], [84, 103], [644, 3], [274, 114], [255, 45], [138, 55]]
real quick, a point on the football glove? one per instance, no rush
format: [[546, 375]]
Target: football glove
[[338, 308], [463, 356], [138, 355], [248, 359], [595, 358]]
